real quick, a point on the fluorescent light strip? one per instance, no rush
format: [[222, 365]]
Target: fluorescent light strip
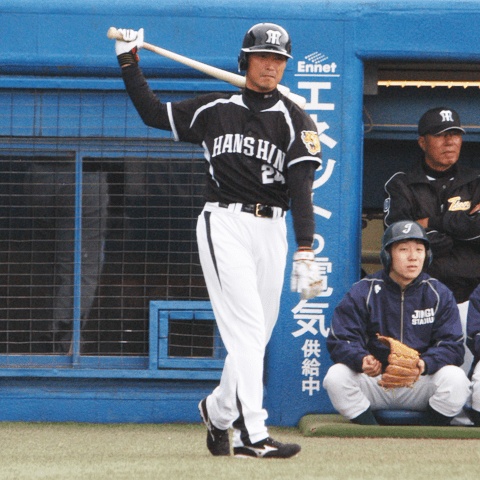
[[421, 83]]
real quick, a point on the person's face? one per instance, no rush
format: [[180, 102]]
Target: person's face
[[265, 71], [442, 150], [408, 258]]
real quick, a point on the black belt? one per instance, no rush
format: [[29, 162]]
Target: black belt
[[257, 209]]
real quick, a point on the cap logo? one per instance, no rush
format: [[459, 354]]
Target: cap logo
[[407, 228], [273, 37], [446, 116]]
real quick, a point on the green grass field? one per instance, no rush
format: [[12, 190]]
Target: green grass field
[[136, 452]]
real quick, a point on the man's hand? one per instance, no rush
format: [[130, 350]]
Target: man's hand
[[127, 49], [423, 222], [305, 277], [475, 209], [371, 366], [421, 366]]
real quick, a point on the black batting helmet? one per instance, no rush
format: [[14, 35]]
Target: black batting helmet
[[399, 231], [264, 37]]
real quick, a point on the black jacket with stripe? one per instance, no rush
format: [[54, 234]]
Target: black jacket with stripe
[[453, 232]]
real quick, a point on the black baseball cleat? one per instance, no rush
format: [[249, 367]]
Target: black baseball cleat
[[268, 448], [218, 442]]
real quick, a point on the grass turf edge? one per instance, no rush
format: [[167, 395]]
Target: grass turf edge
[[334, 425]]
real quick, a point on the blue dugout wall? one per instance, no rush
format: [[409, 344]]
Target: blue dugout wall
[[62, 47]]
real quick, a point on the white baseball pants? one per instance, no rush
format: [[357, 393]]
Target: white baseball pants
[[476, 388], [243, 260], [351, 393]]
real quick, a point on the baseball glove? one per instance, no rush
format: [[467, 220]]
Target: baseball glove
[[402, 369]]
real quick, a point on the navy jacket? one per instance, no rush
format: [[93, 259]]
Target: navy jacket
[[473, 325], [424, 316]]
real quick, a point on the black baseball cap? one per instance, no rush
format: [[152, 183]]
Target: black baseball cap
[[439, 120]]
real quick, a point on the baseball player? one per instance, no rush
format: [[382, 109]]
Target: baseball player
[[402, 302], [261, 152]]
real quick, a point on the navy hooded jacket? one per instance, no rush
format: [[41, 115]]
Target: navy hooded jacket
[[473, 326], [424, 316]]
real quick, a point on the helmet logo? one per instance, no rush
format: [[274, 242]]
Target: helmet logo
[[273, 37], [407, 228]]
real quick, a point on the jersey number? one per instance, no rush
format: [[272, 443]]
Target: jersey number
[[270, 175]]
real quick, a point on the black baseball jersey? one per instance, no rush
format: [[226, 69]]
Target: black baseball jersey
[[249, 141], [258, 148]]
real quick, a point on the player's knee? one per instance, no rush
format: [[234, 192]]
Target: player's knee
[[454, 376], [453, 381], [337, 376]]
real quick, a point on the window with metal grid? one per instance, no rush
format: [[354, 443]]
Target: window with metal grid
[[97, 218], [186, 335]]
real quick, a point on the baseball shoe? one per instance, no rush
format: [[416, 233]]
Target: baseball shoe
[[268, 448], [218, 442]]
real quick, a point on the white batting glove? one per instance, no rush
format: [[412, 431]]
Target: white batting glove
[[305, 277], [127, 49]]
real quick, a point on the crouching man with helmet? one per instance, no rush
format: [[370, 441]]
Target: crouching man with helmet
[[402, 302]]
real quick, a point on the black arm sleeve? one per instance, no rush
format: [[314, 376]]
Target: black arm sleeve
[[300, 181], [151, 110]]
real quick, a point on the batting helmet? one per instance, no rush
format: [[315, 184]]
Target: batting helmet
[[264, 37], [399, 231]]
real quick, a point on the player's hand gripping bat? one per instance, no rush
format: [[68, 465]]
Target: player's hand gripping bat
[[232, 78]]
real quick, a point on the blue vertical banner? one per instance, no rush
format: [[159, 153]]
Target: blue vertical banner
[[297, 357]]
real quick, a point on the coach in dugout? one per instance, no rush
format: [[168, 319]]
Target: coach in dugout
[[402, 302], [261, 153], [444, 197]]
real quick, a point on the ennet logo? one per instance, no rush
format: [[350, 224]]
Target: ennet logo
[[316, 57], [316, 62]]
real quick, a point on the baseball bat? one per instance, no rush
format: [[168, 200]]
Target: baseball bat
[[229, 77]]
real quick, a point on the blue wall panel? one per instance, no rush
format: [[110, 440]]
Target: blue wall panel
[[100, 400], [64, 44]]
